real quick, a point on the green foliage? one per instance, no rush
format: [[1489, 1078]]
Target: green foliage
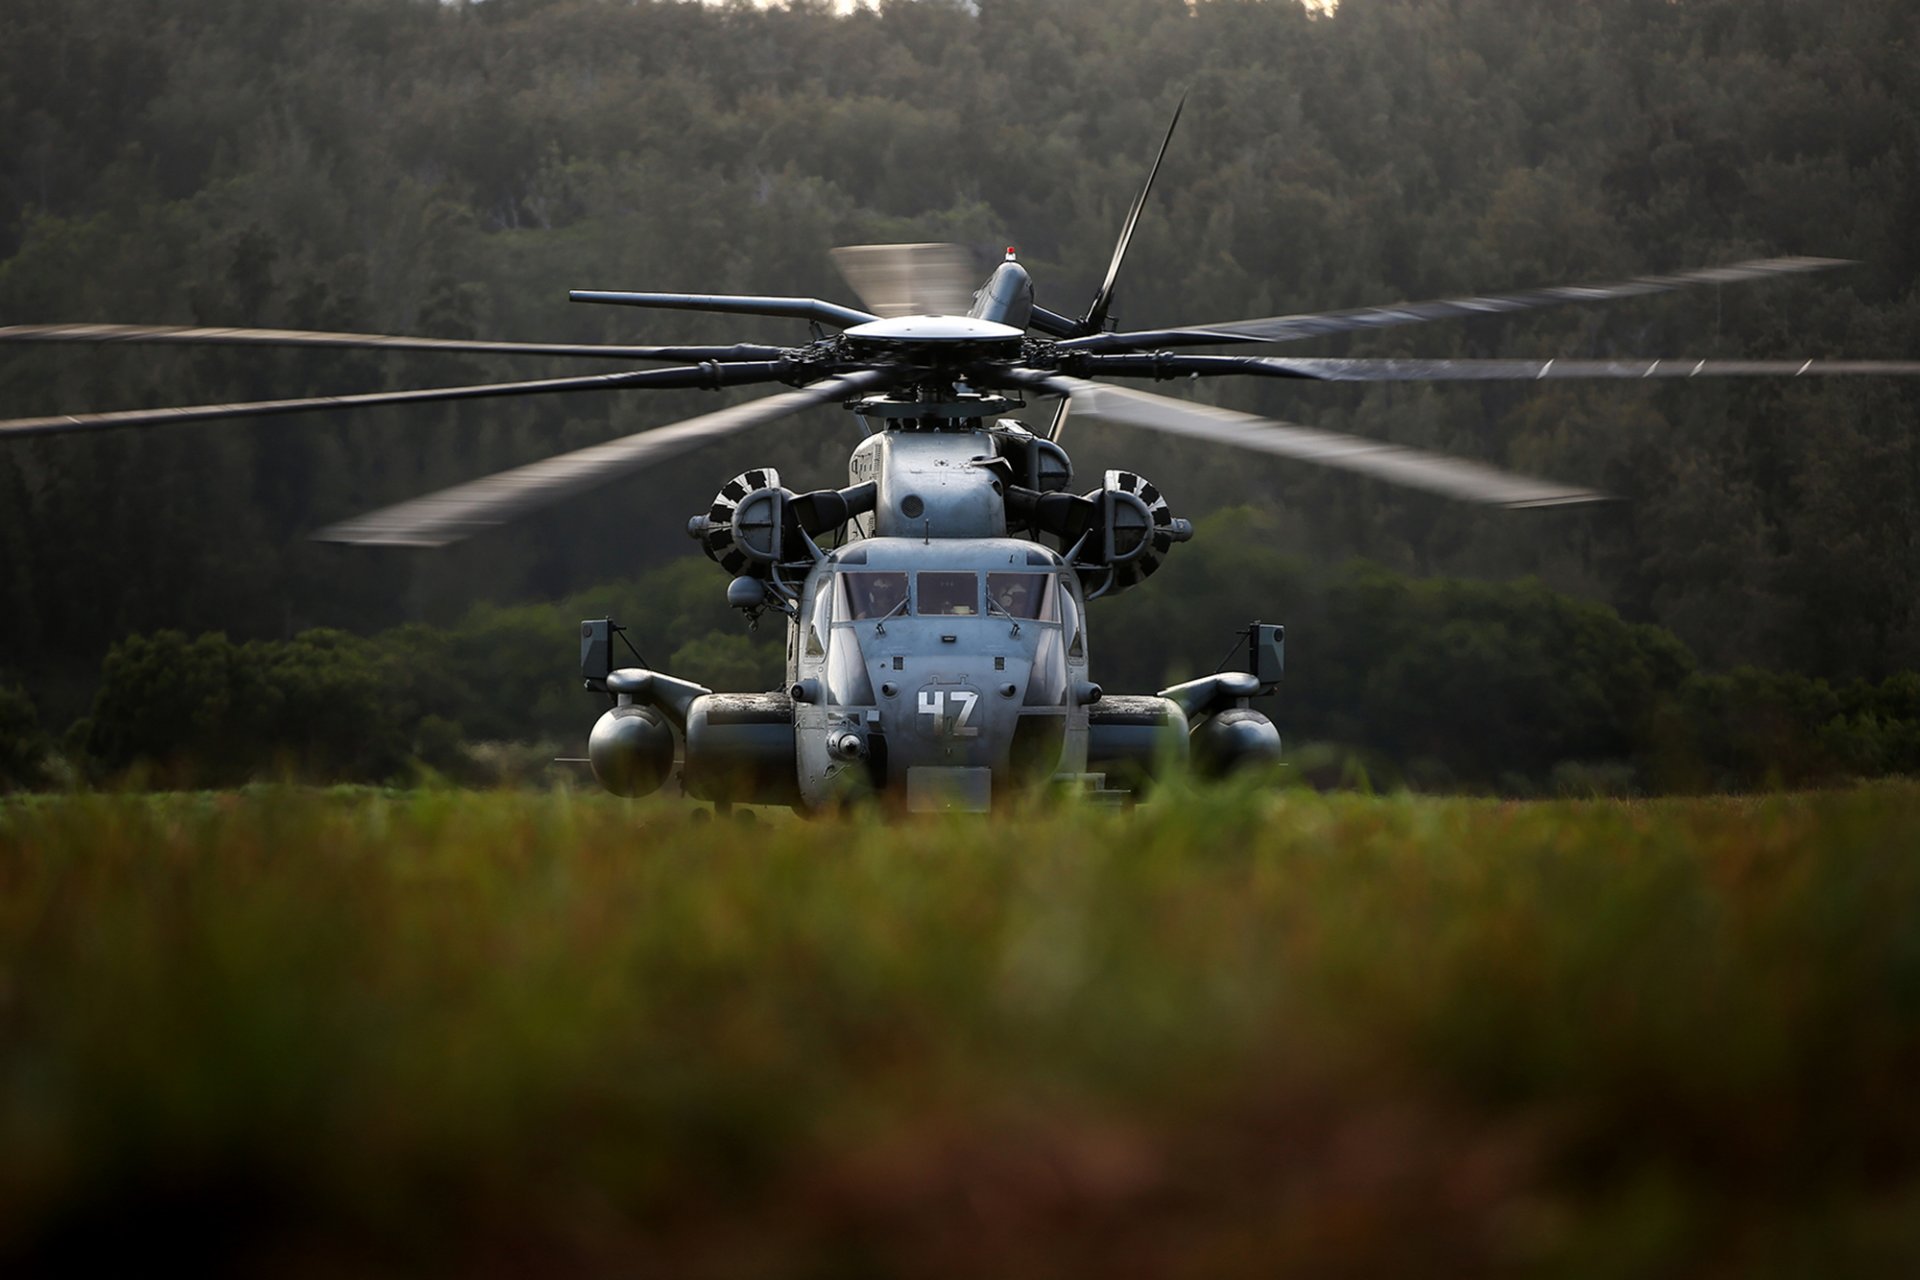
[[326, 705], [1236, 1035], [23, 747], [1750, 726], [1449, 683], [208, 711], [1453, 682]]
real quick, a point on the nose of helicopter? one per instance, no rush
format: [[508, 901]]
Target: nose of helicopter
[[957, 724]]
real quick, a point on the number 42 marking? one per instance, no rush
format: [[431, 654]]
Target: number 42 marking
[[952, 711]]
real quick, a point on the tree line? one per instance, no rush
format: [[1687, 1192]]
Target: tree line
[[1439, 684]]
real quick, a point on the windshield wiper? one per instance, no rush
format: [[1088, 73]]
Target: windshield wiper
[[994, 606], [880, 627]]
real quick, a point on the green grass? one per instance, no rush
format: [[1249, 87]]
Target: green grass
[[336, 1033]]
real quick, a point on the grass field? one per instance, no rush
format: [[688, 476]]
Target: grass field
[[327, 1033]]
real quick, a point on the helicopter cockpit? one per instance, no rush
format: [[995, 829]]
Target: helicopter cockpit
[[947, 661], [1021, 595]]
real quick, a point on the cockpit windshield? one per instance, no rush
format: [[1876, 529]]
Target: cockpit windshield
[[946, 594], [1023, 596], [874, 595]]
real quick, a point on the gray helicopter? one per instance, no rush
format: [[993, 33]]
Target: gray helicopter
[[936, 606]]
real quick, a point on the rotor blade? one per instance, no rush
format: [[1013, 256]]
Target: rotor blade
[[1059, 423], [733, 303], [909, 279], [1318, 324], [1413, 468], [1159, 365], [157, 333], [708, 375], [452, 514], [1096, 316]]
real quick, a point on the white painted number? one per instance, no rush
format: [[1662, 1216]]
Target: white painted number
[[961, 727], [952, 712]]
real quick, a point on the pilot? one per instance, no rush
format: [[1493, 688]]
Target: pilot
[[885, 591], [1012, 596]]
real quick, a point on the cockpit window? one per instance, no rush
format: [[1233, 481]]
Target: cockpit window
[[1070, 619], [946, 594], [817, 633], [874, 595], [1020, 595]]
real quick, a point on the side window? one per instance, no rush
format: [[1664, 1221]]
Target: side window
[[821, 611], [1070, 620], [847, 681]]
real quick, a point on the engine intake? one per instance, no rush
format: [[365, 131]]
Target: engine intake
[[755, 523], [1116, 535]]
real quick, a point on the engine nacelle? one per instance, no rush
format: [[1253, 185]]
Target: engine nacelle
[[631, 750], [1235, 739], [741, 750]]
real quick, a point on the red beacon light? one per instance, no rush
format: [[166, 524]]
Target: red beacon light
[[1010, 253]]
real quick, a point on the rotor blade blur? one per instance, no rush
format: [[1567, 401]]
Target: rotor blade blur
[[1498, 370], [1319, 324], [909, 279], [1396, 464], [1059, 422], [732, 304], [152, 333], [1096, 316], [464, 510], [710, 376]]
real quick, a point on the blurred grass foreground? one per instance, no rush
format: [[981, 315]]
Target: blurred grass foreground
[[319, 1033]]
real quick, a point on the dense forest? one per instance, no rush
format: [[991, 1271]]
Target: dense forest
[[410, 166]]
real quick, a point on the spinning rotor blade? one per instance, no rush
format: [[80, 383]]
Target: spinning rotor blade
[[708, 375], [909, 279], [1096, 317], [1059, 422], [1318, 324], [155, 333], [733, 303], [452, 514], [1419, 370], [1413, 468]]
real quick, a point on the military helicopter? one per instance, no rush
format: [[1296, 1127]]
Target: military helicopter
[[936, 606]]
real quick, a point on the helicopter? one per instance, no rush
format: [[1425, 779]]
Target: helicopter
[[936, 606]]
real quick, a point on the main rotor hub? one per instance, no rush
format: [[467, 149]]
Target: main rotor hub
[[961, 409], [939, 340]]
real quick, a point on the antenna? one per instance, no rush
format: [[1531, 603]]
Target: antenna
[[1096, 317]]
